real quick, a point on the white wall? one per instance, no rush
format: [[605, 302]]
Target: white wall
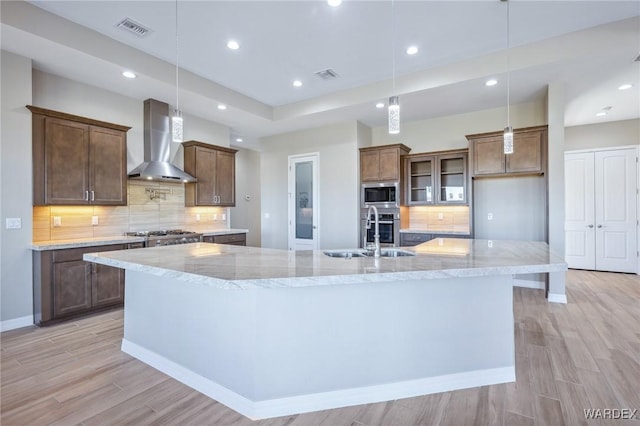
[[16, 286], [246, 214], [338, 186], [449, 132], [603, 135]]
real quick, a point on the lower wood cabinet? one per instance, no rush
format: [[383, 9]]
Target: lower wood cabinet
[[66, 286], [231, 239], [408, 239]]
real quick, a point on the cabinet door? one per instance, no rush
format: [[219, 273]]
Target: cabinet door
[[225, 178], [389, 162], [452, 178], [107, 285], [527, 153], [231, 239], [108, 163], [205, 173], [66, 162], [420, 178], [71, 287], [488, 156], [370, 166]]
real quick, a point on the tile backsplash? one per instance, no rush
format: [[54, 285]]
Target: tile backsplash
[[152, 206], [440, 218]]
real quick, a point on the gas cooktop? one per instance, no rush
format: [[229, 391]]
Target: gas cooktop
[[161, 233]]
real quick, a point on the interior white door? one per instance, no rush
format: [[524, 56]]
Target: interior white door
[[303, 202], [580, 234], [615, 207], [601, 210]]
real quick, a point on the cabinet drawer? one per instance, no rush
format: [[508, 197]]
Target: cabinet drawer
[[230, 239], [413, 239], [66, 255]]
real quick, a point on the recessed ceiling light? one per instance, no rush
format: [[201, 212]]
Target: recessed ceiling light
[[297, 83], [238, 139], [334, 3], [601, 114], [233, 45], [129, 74], [222, 107], [491, 82], [380, 105], [412, 50], [625, 86]]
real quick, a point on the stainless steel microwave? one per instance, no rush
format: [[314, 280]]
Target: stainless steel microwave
[[381, 194]]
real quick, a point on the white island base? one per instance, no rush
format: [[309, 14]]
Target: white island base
[[268, 352]]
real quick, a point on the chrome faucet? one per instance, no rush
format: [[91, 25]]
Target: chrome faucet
[[376, 235]]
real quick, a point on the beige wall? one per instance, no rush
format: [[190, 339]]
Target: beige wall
[[246, 214], [338, 176], [442, 133], [603, 135], [15, 190]]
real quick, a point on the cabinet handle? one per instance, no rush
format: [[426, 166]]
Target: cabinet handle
[[93, 195], [86, 195]]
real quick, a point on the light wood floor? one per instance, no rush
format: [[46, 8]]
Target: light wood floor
[[585, 354]]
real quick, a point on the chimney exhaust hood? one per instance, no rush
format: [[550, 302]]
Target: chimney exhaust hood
[[157, 147]]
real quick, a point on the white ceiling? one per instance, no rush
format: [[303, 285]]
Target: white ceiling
[[588, 45]]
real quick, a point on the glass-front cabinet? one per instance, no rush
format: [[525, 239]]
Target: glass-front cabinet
[[436, 178]]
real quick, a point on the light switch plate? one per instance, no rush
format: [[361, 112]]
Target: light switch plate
[[489, 216], [197, 217], [440, 216], [57, 221], [14, 223]]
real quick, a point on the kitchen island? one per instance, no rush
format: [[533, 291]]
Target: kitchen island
[[271, 332]]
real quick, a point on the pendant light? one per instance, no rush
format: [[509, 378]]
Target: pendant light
[[394, 103], [508, 131], [176, 118]]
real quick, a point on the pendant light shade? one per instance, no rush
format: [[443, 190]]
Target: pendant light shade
[[508, 140], [176, 126], [394, 115]]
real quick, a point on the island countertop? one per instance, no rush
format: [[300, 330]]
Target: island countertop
[[232, 267]]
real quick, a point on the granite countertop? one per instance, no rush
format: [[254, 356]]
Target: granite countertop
[[431, 231], [233, 267], [83, 242], [118, 239], [223, 232]]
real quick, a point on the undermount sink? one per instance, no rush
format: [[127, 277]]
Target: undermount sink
[[392, 252], [346, 253], [385, 252]]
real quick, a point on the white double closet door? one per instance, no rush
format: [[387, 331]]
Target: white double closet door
[[600, 210]]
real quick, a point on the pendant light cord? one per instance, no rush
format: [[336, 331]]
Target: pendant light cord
[[508, 71], [393, 51], [177, 95]]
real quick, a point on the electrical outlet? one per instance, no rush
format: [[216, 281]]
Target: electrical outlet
[[489, 243], [440, 216], [489, 216], [14, 223], [57, 221], [223, 216], [215, 216], [197, 217], [94, 220]]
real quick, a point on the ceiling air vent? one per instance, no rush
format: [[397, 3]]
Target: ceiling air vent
[[327, 74], [136, 28], [637, 59]]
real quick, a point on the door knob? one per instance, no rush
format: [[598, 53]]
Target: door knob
[[590, 226], [599, 226]]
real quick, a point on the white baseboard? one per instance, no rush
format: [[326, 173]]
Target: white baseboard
[[557, 298], [14, 323], [256, 410], [528, 284]]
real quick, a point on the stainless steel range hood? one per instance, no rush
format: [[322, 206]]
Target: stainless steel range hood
[[157, 147]]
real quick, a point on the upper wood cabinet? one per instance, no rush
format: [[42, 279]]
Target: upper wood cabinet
[[215, 168], [77, 160], [436, 178], [529, 153], [382, 163]]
